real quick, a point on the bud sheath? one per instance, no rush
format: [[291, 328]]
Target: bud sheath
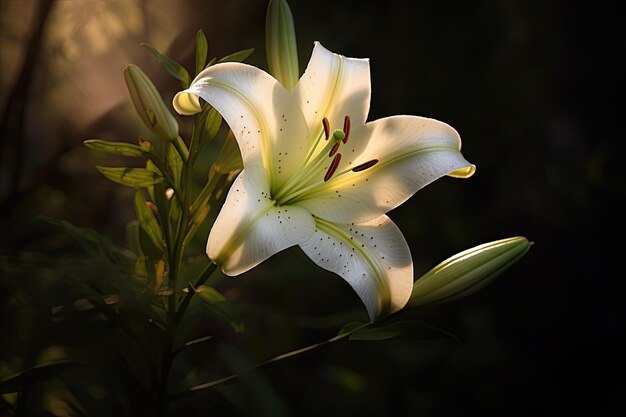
[[149, 104], [467, 272], [280, 44]]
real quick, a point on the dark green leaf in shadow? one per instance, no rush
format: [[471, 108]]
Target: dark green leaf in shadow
[[408, 329], [218, 307], [351, 327], [148, 222], [95, 244], [37, 373]]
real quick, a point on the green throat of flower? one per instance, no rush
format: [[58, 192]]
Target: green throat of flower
[[316, 172]]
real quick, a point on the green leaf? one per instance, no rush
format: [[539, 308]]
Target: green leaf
[[172, 67], [211, 62], [37, 373], [95, 244], [219, 307], [117, 148], [175, 163], [132, 236], [229, 160], [351, 327], [148, 221], [238, 56], [202, 49], [193, 342], [407, 328], [211, 126], [132, 177]]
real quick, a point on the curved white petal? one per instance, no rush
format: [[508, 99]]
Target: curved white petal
[[333, 86], [411, 152], [372, 257], [250, 228], [268, 124]]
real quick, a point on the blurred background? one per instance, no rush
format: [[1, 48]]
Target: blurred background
[[532, 87]]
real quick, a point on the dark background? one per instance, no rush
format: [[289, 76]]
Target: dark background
[[532, 87]]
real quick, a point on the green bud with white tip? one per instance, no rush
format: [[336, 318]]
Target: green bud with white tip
[[280, 44], [149, 104], [467, 272]]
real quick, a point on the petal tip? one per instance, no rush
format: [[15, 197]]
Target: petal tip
[[186, 103], [465, 172]]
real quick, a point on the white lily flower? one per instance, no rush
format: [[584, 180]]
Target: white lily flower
[[326, 192]]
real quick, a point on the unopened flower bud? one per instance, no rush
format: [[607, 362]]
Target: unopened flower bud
[[280, 44], [467, 272], [149, 104]]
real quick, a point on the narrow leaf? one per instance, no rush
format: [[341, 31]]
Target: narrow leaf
[[116, 148], [148, 221], [40, 372], [211, 126], [172, 67], [220, 308], [95, 244], [239, 56], [202, 49], [132, 177], [409, 329], [176, 164]]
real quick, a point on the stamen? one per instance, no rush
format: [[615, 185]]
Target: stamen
[[333, 167], [334, 149], [326, 124], [346, 128], [365, 165]]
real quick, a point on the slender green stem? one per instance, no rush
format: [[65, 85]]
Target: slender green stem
[[176, 252], [204, 387], [168, 178], [181, 148], [208, 271]]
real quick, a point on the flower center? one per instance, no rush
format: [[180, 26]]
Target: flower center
[[315, 171]]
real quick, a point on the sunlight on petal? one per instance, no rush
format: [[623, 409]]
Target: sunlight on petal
[[372, 257]]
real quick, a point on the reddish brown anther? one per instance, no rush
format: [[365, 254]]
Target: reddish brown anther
[[326, 124], [334, 149], [333, 167], [346, 128], [365, 165]]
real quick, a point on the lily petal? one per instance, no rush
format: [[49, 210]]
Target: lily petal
[[267, 123], [411, 152], [333, 86], [250, 228], [373, 257]]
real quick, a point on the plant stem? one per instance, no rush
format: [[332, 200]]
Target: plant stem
[[185, 303], [206, 386], [176, 251]]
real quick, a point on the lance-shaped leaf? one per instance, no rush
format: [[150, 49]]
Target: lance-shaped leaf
[[468, 271], [95, 244], [172, 67], [133, 177], [37, 373], [219, 307], [202, 48], [238, 56], [116, 148], [148, 222]]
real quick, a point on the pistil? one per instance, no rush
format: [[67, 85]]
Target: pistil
[[306, 179]]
